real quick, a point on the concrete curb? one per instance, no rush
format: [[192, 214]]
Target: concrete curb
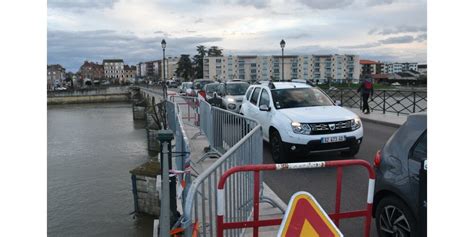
[[394, 125]]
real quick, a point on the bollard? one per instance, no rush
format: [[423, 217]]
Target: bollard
[[168, 209]]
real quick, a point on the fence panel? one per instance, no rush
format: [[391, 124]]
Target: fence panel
[[391, 101]]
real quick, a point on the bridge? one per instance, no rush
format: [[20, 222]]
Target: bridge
[[208, 141]]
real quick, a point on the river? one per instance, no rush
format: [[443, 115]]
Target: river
[[91, 148]]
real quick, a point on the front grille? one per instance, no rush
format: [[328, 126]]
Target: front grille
[[331, 127]]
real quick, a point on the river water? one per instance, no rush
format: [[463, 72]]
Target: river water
[[91, 148]]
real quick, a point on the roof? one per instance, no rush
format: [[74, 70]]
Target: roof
[[285, 85], [367, 62], [380, 76], [113, 61]]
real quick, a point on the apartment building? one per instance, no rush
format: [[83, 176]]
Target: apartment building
[[114, 69], [129, 72], [340, 68], [91, 70], [171, 63], [398, 67], [369, 67], [56, 75], [151, 70]]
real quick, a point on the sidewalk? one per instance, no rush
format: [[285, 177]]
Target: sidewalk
[[197, 143], [388, 119]]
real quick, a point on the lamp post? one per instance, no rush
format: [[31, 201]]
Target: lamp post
[[282, 45], [165, 96]]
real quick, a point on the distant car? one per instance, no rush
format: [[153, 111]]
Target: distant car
[[199, 84], [172, 84], [397, 166], [396, 84], [186, 89], [61, 88], [211, 90], [232, 94]]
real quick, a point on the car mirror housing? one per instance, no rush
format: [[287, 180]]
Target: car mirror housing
[[338, 102], [264, 108]]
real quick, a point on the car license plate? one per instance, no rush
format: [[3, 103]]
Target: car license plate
[[333, 139]]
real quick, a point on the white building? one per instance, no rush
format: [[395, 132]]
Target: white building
[[340, 68], [114, 69]]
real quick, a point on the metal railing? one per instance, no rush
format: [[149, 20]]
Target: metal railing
[[240, 139], [391, 101], [223, 129]]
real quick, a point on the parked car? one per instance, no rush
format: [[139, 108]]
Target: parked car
[[211, 90], [396, 206], [186, 89], [232, 94], [298, 119], [199, 84], [172, 84]]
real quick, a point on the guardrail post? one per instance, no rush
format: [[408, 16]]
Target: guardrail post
[[414, 101], [168, 212], [383, 101], [342, 103]]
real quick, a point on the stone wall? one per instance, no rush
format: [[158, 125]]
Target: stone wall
[[89, 99]]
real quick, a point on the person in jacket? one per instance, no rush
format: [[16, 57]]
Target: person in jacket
[[366, 89]]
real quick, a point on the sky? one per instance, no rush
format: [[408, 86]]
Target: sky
[[93, 30]]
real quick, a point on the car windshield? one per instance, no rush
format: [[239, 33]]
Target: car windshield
[[236, 88], [299, 97], [187, 85], [200, 84], [211, 88]]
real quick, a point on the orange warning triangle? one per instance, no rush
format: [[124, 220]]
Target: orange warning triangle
[[305, 217]]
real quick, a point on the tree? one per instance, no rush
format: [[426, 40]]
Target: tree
[[198, 60], [214, 51], [185, 67]]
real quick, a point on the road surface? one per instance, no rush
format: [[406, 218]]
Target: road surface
[[322, 182]]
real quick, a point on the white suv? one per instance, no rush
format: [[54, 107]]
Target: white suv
[[299, 119]]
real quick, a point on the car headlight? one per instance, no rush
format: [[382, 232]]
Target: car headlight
[[301, 128], [231, 106], [356, 123], [230, 100]]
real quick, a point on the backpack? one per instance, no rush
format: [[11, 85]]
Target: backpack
[[367, 85]]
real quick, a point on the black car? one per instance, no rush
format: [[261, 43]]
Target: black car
[[400, 185]]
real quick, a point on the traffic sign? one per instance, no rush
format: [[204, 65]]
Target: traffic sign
[[305, 217]]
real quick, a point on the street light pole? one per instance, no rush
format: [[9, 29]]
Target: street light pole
[[282, 45], [165, 92]]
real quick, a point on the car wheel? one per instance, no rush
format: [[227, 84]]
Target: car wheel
[[351, 152], [394, 218], [278, 148]]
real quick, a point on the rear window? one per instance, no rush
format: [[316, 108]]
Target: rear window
[[255, 96], [236, 88]]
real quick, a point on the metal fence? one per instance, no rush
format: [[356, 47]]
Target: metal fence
[[391, 101], [222, 128], [240, 139]]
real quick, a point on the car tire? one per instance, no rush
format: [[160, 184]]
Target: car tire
[[394, 218], [351, 152], [278, 148]]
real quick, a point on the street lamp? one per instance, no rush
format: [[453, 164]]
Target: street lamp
[[165, 96], [282, 45]]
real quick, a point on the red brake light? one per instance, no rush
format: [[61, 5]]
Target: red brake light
[[377, 159]]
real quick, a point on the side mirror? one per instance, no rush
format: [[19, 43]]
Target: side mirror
[[338, 102], [264, 108]]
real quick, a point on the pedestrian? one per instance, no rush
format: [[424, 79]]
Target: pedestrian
[[366, 89]]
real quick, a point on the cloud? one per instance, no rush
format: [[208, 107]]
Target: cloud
[[81, 4], [398, 40], [397, 30], [379, 2], [71, 48], [326, 4]]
